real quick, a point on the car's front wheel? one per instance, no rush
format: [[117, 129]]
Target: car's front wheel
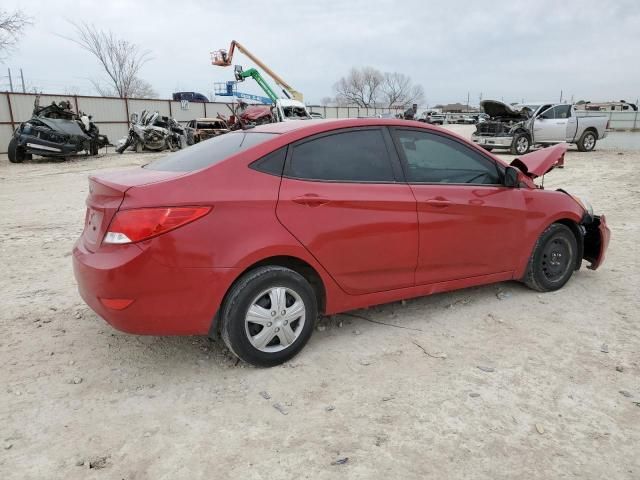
[[16, 153], [521, 144], [553, 260], [268, 316]]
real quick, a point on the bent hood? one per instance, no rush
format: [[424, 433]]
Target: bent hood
[[70, 127], [494, 108], [538, 163]]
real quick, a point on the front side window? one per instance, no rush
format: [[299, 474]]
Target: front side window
[[548, 114], [352, 156], [432, 158]]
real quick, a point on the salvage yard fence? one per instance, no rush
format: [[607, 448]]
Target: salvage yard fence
[[112, 114]]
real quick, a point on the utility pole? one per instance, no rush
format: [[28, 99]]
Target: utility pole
[[467, 101], [10, 81], [560, 97], [22, 78]]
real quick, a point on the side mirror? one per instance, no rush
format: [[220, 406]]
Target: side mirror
[[511, 177]]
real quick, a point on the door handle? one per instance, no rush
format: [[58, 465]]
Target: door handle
[[438, 203], [311, 200]]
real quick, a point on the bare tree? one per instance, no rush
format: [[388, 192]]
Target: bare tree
[[12, 25], [398, 90], [120, 59], [138, 89], [142, 89], [360, 87]]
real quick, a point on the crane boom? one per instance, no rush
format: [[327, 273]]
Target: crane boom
[[255, 74], [223, 58]]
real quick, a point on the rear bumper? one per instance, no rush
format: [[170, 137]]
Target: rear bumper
[[165, 300], [498, 142]]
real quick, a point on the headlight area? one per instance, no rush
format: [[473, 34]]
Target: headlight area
[[585, 204]]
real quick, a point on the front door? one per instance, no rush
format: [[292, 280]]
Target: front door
[[552, 125], [469, 222], [343, 199]]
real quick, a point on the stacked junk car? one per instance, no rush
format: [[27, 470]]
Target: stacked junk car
[[152, 131], [55, 131]]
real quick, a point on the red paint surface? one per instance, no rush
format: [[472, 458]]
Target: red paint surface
[[369, 243]]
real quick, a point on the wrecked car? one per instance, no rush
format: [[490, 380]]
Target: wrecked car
[[55, 131], [520, 127], [328, 200], [204, 128], [152, 131]]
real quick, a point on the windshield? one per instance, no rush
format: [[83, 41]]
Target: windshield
[[209, 152]]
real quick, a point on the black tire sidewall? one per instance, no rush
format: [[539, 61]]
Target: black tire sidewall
[[239, 300], [13, 151], [550, 234], [581, 146]]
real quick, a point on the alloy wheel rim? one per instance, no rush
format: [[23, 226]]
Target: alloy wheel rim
[[555, 259], [589, 141], [275, 319], [522, 145]]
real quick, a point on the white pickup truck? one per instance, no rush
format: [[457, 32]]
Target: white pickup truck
[[520, 127]]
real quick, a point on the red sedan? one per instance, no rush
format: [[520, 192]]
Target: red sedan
[[255, 233]]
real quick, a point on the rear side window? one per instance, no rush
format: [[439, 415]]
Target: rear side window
[[353, 156], [209, 152], [272, 163]]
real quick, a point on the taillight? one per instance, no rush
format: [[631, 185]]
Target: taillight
[[130, 226]]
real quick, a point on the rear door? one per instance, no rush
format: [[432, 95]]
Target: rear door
[[343, 198], [470, 224]]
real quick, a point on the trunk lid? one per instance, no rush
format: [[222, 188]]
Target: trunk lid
[[106, 194], [536, 164]]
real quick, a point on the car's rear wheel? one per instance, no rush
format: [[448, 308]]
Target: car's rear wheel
[[587, 141], [268, 316], [553, 260], [521, 144]]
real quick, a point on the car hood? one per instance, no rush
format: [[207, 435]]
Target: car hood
[[493, 108], [536, 164], [70, 127]]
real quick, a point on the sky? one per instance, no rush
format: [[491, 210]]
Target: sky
[[506, 50]]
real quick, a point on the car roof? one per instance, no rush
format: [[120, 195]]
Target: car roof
[[320, 125]]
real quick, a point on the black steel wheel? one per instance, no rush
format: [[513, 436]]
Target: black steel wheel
[[553, 260]]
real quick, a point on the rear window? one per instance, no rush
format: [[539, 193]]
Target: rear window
[[209, 152]]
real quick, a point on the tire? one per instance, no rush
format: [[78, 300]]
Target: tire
[[16, 154], [94, 149], [257, 289], [587, 141], [521, 144], [553, 260]]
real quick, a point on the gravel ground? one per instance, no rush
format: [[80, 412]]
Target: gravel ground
[[484, 383]]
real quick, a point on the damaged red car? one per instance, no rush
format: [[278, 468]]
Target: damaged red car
[[255, 233]]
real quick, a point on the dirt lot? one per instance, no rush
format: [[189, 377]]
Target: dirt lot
[[486, 383]]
